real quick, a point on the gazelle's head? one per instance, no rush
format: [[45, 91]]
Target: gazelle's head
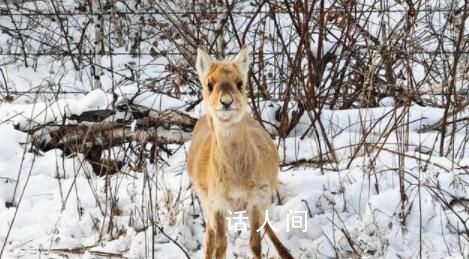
[[223, 85]]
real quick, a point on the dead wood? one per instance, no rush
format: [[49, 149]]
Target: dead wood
[[91, 138]]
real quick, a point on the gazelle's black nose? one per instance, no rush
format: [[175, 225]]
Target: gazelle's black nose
[[226, 101]]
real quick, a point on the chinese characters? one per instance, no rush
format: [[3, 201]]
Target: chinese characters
[[237, 221]]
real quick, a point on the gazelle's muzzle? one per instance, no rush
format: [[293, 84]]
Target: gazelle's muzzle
[[226, 96], [226, 100], [228, 106]]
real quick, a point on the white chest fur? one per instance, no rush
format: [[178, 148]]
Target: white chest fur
[[238, 199]]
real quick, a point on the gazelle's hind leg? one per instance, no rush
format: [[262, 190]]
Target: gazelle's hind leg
[[220, 235], [255, 221]]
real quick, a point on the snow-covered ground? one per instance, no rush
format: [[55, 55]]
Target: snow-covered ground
[[351, 209]]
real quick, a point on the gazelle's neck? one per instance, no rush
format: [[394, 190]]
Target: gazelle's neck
[[231, 149], [227, 135]]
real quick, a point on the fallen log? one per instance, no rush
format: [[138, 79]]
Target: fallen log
[[78, 138], [158, 127], [91, 138]]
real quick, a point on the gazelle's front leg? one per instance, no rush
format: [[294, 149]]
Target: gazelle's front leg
[[220, 235], [255, 221], [209, 228], [209, 241]]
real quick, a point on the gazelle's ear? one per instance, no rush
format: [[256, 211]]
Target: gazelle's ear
[[203, 62], [242, 59]]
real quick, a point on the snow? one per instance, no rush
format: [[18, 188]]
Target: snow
[[27, 116], [150, 100], [64, 204]]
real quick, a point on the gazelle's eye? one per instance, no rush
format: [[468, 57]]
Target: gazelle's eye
[[210, 86], [239, 84]]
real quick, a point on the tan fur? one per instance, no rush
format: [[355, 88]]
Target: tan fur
[[232, 161]]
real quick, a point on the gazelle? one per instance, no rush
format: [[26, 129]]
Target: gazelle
[[232, 163]]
